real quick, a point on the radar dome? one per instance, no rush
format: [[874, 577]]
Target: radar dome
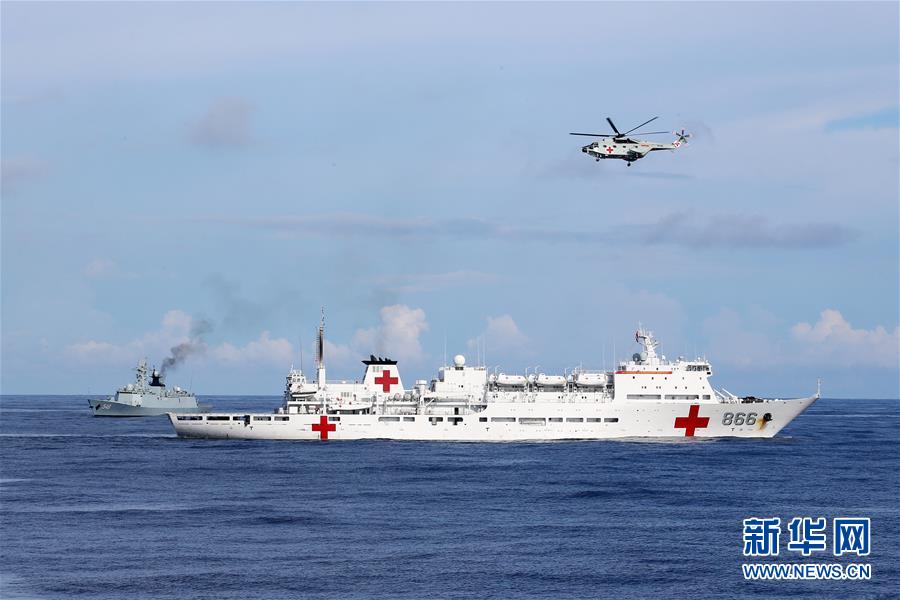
[[459, 360], [636, 357]]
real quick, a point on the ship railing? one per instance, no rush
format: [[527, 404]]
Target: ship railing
[[568, 397]]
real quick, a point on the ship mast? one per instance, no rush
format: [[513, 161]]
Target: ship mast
[[320, 354]]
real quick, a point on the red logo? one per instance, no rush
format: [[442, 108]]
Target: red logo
[[609, 149], [692, 421], [323, 427], [386, 381]]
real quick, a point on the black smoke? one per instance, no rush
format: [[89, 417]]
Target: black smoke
[[196, 344]]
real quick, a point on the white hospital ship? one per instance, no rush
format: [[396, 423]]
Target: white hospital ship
[[645, 397]]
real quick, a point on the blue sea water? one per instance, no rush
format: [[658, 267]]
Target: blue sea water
[[120, 508]]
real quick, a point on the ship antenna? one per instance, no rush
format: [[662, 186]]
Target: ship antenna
[[445, 348], [300, 337], [320, 347]]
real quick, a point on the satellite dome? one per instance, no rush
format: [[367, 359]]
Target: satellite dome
[[459, 360]]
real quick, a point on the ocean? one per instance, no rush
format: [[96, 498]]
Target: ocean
[[121, 508]]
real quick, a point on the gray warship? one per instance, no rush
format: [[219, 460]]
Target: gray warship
[[146, 397]]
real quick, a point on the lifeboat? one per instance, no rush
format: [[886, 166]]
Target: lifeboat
[[504, 380], [551, 380], [590, 379]]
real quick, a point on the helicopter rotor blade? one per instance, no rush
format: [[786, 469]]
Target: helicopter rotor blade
[[594, 134], [638, 127], [651, 132], [613, 125]]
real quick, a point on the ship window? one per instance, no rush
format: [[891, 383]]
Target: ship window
[[334, 418], [217, 418], [706, 396], [455, 420], [611, 419], [682, 397], [435, 419], [282, 418], [392, 419], [644, 397], [237, 418], [503, 419], [190, 418], [574, 420], [262, 418], [594, 420], [409, 418], [532, 421], [555, 419], [482, 419]]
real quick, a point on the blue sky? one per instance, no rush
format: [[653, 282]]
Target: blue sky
[[408, 167]]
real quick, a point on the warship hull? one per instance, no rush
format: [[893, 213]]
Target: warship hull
[[111, 408]]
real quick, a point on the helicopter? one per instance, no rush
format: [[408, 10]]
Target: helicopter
[[619, 145]]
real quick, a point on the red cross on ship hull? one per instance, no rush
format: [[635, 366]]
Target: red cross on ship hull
[[691, 422], [323, 427]]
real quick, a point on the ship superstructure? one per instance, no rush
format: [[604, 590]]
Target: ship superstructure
[[647, 396], [147, 396]]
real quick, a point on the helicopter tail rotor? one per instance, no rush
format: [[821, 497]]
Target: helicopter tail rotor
[[682, 136]]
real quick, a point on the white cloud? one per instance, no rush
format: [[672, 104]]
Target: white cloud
[[178, 328], [502, 333], [265, 349], [339, 354], [105, 268], [397, 335], [756, 340], [834, 341], [175, 328]]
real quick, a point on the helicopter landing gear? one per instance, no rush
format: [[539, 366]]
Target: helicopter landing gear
[[629, 164]]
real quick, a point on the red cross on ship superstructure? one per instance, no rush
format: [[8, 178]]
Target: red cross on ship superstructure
[[386, 381], [692, 421], [323, 427]]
